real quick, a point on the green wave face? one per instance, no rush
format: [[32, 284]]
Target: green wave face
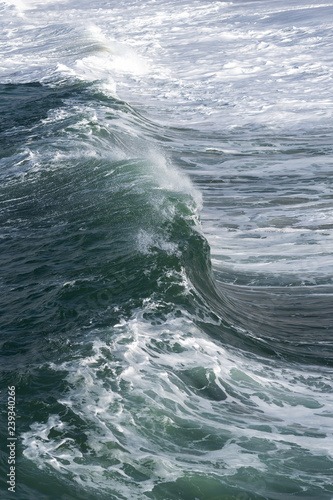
[[94, 216]]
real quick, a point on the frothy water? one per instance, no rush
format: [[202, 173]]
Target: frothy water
[[166, 249]]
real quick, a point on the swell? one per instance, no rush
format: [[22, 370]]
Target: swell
[[293, 322], [96, 221]]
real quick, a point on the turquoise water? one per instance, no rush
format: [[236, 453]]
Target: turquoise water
[[166, 265]]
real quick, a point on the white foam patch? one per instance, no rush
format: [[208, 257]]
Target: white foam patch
[[20, 6], [147, 241], [233, 64], [132, 399], [49, 47]]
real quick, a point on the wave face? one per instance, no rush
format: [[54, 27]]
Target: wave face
[[166, 249]]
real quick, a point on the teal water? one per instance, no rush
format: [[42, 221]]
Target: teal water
[[166, 276]]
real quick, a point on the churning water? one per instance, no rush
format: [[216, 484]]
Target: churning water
[[166, 249]]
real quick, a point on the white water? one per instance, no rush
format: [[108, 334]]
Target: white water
[[146, 407]]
